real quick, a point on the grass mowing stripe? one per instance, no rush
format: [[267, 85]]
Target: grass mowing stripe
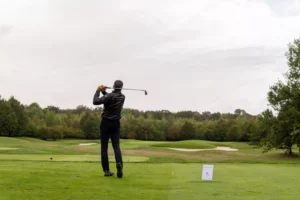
[[82, 158]]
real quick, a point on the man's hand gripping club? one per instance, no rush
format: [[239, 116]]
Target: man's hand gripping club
[[101, 88]]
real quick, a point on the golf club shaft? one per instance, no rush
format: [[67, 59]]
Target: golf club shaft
[[146, 93], [126, 89]]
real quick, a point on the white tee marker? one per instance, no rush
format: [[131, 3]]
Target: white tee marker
[[207, 172]]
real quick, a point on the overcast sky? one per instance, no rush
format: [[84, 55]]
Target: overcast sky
[[201, 55]]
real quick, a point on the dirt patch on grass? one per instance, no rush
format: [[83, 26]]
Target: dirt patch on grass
[[47, 145]]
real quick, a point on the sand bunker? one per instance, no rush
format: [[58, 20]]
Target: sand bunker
[[7, 148], [86, 144], [194, 150]]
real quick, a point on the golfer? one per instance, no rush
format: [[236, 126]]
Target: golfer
[[110, 125]]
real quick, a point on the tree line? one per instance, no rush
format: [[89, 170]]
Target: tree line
[[18, 120], [277, 127]]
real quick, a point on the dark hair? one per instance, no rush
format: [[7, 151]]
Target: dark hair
[[118, 84]]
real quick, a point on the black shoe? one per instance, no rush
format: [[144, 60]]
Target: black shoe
[[120, 170], [108, 173]]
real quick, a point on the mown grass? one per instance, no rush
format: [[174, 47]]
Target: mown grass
[[202, 144], [33, 149], [68, 146], [83, 180], [34, 146], [190, 144], [66, 158], [26, 171]]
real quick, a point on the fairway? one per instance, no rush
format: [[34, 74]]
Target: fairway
[[151, 171]]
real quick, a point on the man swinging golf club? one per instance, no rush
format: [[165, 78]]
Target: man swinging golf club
[[110, 125]]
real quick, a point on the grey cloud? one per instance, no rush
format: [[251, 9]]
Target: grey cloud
[[286, 8], [222, 63], [184, 57]]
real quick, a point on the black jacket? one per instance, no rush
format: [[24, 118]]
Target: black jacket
[[113, 104]]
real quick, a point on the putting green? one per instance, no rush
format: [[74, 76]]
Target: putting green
[[39, 157]]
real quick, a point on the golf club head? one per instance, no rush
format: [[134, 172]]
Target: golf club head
[[146, 93]]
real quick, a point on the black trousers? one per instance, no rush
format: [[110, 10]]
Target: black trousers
[[110, 129]]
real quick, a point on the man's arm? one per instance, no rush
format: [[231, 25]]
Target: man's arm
[[97, 100], [104, 92]]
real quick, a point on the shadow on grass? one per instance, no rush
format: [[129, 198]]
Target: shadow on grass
[[204, 182], [284, 156]]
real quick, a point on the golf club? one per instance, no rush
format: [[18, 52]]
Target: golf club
[[146, 93]]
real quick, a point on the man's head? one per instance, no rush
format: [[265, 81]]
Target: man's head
[[118, 85]]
